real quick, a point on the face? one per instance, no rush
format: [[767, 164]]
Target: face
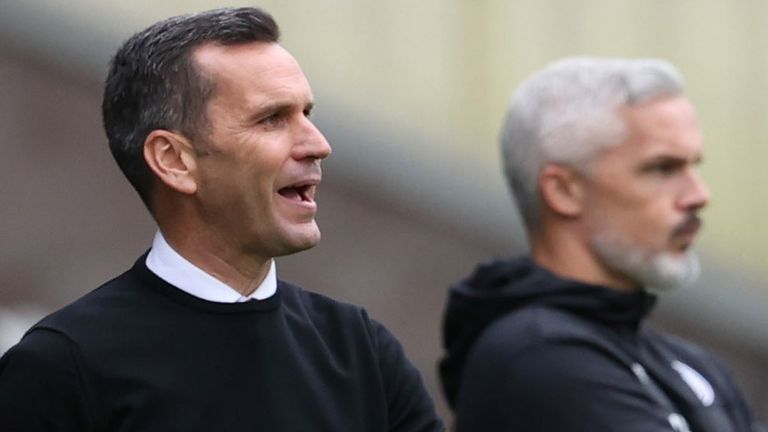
[[259, 166], [643, 197]]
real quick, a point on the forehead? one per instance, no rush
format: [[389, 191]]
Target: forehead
[[252, 71], [665, 126]]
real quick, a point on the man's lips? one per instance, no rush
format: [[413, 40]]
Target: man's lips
[[687, 229], [300, 192]]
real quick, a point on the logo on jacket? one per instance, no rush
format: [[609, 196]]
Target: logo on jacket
[[678, 423], [700, 386]]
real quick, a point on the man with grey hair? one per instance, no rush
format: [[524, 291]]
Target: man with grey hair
[[601, 156]]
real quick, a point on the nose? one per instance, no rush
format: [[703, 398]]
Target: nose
[[696, 195], [311, 143]]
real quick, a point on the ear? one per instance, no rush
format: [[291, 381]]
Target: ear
[[562, 190], [172, 158]]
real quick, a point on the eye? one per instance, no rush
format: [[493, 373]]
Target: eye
[[308, 112], [273, 120], [665, 167]]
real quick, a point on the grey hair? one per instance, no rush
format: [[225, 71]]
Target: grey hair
[[568, 111]]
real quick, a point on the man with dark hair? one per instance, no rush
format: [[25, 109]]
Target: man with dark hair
[[208, 117], [602, 158]]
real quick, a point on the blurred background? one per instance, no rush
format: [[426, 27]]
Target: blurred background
[[410, 95]]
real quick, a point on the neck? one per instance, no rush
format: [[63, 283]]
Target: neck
[[210, 250], [241, 272]]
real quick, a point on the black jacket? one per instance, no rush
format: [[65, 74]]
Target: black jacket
[[529, 351]]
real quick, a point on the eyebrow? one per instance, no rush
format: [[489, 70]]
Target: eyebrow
[[673, 159]]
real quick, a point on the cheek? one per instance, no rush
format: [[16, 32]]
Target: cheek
[[256, 175], [624, 214], [639, 202], [649, 225], [643, 213]]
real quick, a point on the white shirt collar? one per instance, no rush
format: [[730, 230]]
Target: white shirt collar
[[173, 268]]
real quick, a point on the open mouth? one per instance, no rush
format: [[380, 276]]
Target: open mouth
[[299, 193]]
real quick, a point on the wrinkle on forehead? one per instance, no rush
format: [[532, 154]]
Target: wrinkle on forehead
[[253, 72]]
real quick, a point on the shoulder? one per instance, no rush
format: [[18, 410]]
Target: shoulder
[[535, 342], [93, 305], [330, 317], [546, 349], [41, 384], [338, 319], [533, 327], [43, 348], [318, 306], [316, 301]]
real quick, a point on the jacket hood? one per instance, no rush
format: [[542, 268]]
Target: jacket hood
[[501, 287]]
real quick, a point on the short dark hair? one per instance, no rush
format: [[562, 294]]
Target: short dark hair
[[153, 82]]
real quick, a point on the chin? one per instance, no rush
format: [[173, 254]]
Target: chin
[[300, 240], [657, 272], [671, 271]]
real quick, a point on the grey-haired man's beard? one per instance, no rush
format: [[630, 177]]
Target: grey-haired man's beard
[[657, 272]]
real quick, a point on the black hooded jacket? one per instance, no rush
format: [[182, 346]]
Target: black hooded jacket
[[529, 351]]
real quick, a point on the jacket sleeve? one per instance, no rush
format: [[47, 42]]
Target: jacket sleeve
[[409, 405], [552, 387], [40, 386]]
